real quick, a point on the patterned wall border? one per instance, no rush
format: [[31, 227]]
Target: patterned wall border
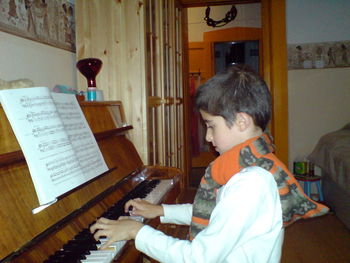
[[319, 55]]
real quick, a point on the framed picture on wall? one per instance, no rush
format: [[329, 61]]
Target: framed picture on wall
[[319, 55], [50, 22]]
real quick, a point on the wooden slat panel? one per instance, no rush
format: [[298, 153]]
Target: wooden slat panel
[[140, 61], [8, 141], [114, 32]]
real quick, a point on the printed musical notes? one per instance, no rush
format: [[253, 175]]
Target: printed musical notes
[[56, 140]]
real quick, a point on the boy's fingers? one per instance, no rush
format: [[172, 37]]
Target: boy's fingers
[[101, 223], [106, 245], [105, 221], [99, 234], [94, 227], [131, 203]]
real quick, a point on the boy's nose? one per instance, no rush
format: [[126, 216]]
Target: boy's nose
[[208, 136]]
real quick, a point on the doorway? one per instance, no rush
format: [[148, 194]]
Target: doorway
[[220, 48], [273, 62]]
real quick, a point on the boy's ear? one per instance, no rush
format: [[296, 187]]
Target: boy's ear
[[243, 121]]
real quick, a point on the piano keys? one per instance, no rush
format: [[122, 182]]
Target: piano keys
[[34, 238], [86, 247]]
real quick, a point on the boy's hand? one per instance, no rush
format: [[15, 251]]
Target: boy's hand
[[143, 208], [115, 230]]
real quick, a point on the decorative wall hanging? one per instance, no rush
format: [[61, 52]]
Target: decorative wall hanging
[[319, 55], [47, 21], [230, 15]]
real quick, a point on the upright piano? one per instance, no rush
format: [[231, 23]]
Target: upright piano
[[28, 237]]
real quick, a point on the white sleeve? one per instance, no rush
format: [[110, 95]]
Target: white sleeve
[[247, 209], [177, 214]]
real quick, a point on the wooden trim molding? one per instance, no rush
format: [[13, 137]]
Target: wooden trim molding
[[275, 70], [237, 33]]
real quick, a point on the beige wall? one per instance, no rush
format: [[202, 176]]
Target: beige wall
[[319, 99], [319, 102], [43, 64]]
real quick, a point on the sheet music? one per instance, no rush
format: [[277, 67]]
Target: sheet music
[[57, 142]]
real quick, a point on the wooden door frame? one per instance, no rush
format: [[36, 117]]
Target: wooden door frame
[[273, 13]]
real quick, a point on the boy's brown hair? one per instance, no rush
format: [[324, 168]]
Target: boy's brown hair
[[236, 89]]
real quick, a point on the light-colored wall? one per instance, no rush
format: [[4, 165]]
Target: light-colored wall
[[319, 99], [43, 64], [248, 15]]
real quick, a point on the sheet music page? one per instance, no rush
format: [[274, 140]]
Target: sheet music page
[[80, 135], [47, 146]]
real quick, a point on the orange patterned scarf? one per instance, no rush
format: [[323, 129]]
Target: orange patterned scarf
[[257, 151]]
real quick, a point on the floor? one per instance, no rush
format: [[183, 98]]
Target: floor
[[319, 240]]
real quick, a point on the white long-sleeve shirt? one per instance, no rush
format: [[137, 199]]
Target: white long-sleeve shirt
[[245, 225]]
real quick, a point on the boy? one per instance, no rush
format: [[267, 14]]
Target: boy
[[246, 195]]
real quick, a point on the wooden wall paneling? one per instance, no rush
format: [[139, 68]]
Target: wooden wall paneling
[[156, 93], [135, 92], [181, 90], [157, 80], [91, 40], [137, 42], [178, 88], [149, 5], [114, 32], [161, 147], [166, 90], [172, 69], [154, 101], [185, 97]]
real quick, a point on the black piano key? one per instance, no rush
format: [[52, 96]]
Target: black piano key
[[79, 245], [86, 235], [64, 261], [67, 256]]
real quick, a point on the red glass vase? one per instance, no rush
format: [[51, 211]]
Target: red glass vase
[[90, 67]]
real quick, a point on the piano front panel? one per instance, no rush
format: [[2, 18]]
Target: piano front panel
[[20, 228], [55, 241], [98, 115], [8, 141]]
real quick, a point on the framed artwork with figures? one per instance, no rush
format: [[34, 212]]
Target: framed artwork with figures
[[319, 55], [50, 22]]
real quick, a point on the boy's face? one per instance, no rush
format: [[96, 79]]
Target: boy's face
[[219, 134]]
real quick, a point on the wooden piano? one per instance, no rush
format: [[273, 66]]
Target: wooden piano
[[27, 237]]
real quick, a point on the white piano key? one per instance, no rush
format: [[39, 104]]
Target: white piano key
[[94, 261], [159, 191], [97, 260], [137, 218]]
